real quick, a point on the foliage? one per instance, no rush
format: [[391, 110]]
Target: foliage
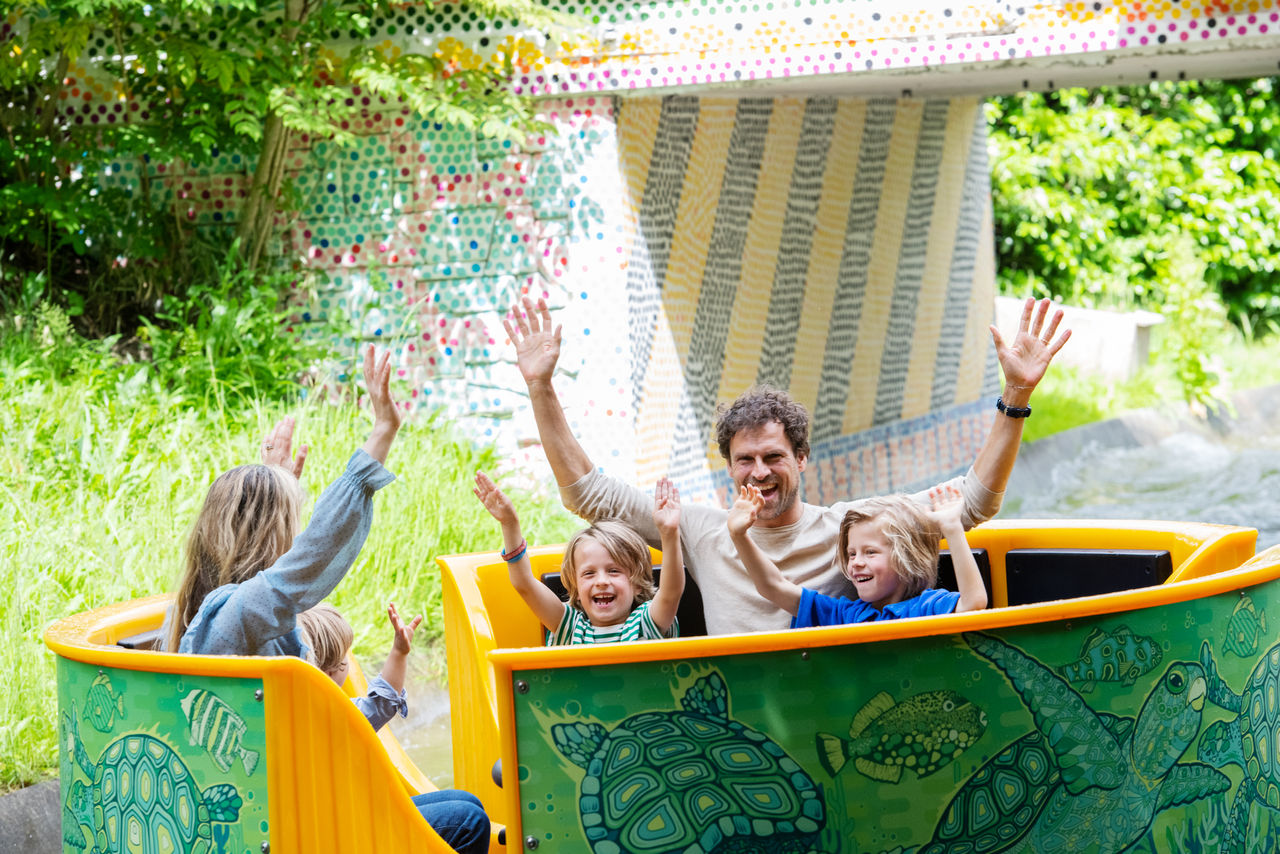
[[196, 78], [102, 474], [228, 341], [1095, 191]]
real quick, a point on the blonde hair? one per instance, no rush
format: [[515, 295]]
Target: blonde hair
[[248, 520], [328, 634], [912, 536], [627, 548]]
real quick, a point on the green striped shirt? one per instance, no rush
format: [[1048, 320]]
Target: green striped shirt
[[575, 628]]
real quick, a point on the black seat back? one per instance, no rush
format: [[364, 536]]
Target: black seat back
[[1043, 575], [947, 571]]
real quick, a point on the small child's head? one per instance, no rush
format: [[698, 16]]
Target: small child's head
[[329, 637], [607, 571], [889, 549], [249, 519]]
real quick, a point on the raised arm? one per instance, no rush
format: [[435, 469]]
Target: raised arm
[[537, 351], [393, 669], [386, 415], [545, 604], [768, 579], [1024, 362], [666, 516], [947, 504]]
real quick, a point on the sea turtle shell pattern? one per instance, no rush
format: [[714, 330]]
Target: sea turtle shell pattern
[[145, 800], [1252, 739], [691, 781], [1082, 779]]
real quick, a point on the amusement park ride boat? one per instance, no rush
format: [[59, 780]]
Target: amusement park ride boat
[[1120, 694]]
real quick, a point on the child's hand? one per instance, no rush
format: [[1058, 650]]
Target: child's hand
[[666, 507], [386, 415], [402, 642], [947, 504], [742, 515], [494, 500], [377, 383], [277, 448]]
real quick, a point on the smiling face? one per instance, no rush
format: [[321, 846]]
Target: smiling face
[[763, 457], [869, 566], [604, 589]]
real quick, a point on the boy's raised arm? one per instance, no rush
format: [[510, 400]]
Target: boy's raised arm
[[666, 516], [947, 504], [393, 669], [769, 581], [545, 605]]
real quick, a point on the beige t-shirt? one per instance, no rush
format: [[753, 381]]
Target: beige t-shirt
[[805, 552]]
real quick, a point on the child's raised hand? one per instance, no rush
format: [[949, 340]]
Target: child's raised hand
[[947, 504], [277, 448], [386, 415], [403, 640], [742, 515], [666, 506], [494, 500], [377, 382]]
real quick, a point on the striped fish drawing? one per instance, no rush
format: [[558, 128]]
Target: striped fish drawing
[[217, 728], [103, 703]]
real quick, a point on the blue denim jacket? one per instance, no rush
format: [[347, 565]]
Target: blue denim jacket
[[259, 616]]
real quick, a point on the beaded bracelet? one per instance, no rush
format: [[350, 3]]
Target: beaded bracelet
[[516, 553], [1012, 411]]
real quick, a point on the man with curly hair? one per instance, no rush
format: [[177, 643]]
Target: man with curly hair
[[764, 439]]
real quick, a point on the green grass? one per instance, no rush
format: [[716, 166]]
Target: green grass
[[99, 483]]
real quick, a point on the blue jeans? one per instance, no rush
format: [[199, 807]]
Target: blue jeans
[[458, 817]]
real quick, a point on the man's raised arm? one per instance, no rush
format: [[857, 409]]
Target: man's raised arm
[[537, 351], [1024, 362]]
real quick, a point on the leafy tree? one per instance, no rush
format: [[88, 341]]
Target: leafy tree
[[1098, 194], [197, 77]]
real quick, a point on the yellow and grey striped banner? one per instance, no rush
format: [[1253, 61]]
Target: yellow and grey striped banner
[[839, 248]]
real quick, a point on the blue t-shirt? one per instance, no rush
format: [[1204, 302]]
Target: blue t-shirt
[[818, 609]]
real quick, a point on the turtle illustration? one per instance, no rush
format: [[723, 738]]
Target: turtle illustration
[[690, 781], [1081, 780], [142, 798], [1248, 739]]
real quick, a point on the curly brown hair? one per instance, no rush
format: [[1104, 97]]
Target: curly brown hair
[[758, 406]]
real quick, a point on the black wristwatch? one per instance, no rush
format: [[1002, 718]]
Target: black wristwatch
[[1012, 411]]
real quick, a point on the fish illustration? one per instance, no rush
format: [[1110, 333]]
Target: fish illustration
[[1119, 656], [1244, 628], [102, 704], [922, 734], [217, 728]]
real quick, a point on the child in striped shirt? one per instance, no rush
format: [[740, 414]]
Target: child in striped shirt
[[606, 571]]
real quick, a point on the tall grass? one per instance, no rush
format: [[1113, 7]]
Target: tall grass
[[102, 472]]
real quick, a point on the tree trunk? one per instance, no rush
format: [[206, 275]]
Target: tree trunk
[[257, 214]]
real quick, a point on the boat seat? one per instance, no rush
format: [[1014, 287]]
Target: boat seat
[[1045, 575], [947, 571], [690, 615]]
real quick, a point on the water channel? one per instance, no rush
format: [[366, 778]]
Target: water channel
[[1145, 467]]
